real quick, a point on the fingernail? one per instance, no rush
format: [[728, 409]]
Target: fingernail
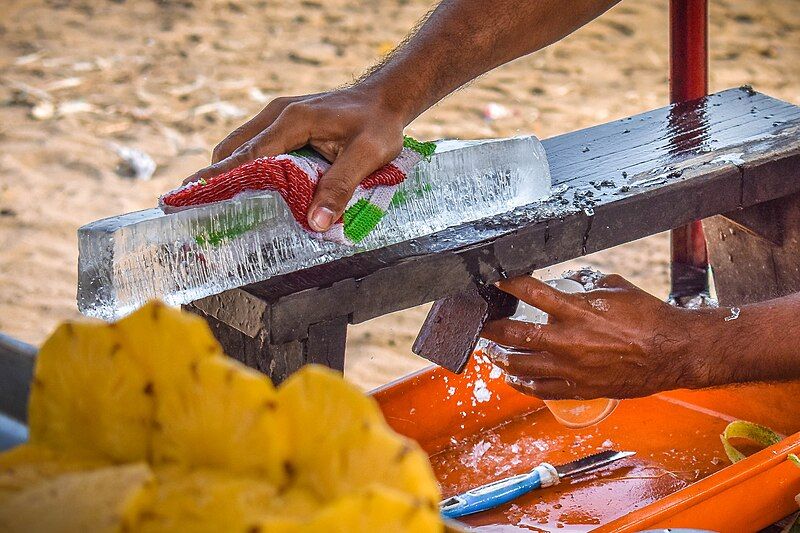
[[321, 219]]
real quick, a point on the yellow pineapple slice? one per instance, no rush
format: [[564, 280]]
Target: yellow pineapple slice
[[104, 500], [89, 395], [377, 509], [321, 410], [223, 415], [208, 500], [231, 453], [167, 341], [341, 442], [95, 386], [374, 455], [29, 464]]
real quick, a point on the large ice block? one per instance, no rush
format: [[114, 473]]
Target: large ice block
[[180, 257]]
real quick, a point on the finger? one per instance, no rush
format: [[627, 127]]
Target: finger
[[284, 135], [335, 188], [613, 281], [539, 294], [535, 365], [290, 131], [531, 337], [525, 386], [544, 388], [250, 129], [499, 354], [212, 170], [523, 362]]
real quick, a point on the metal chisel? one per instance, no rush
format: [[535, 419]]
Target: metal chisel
[[504, 490]]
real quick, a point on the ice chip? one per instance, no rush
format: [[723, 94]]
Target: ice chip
[[180, 257]]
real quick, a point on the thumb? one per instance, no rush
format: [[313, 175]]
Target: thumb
[[335, 188]]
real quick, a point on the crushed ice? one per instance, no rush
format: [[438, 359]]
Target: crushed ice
[[480, 392]]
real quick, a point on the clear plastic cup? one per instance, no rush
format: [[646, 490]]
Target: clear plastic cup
[[571, 413]]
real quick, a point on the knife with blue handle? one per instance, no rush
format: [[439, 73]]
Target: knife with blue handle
[[503, 491]]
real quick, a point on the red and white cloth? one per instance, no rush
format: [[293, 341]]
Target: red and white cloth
[[295, 177]]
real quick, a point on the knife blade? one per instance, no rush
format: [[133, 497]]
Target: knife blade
[[504, 490], [590, 462]]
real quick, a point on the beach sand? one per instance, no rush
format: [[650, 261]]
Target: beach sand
[[173, 77]]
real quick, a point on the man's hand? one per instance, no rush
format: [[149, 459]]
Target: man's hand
[[616, 341], [359, 128], [350, 127]]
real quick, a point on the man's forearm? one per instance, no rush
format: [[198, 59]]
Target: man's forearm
[[360, 128], [761, 344], [462, 39]]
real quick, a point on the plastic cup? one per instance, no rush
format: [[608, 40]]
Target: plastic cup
[[571, 413], [578, 414]]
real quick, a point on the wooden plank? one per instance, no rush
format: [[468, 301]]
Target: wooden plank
[[252, 351], [760, 220], [326, 342], [238, 309], [749, 268], [771, 172], [322, 343], [615, 183], [285, 359], [291, 320]]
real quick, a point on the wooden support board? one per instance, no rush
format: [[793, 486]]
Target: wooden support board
[[613, 183]]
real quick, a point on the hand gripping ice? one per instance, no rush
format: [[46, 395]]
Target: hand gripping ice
[[295, 177], [255, 234]]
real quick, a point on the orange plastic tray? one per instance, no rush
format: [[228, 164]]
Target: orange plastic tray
[[477, 429]]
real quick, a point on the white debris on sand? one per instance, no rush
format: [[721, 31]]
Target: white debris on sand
[[134, 163], [495, 111]]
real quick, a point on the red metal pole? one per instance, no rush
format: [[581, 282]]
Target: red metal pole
[[688, 79]]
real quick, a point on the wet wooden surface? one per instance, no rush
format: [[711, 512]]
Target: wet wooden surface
[[613, 183]]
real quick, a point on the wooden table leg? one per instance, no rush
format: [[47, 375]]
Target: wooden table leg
[[755, 252]]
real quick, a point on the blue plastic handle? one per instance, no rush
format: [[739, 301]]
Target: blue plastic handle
[[490, 495]]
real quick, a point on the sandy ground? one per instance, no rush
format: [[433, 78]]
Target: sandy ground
[[173, 77]]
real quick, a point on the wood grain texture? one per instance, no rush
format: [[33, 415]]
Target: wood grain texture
[[748, 266]]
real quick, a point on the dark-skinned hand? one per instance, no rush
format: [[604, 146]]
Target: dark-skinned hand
[[347, 126], [615, 341]]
